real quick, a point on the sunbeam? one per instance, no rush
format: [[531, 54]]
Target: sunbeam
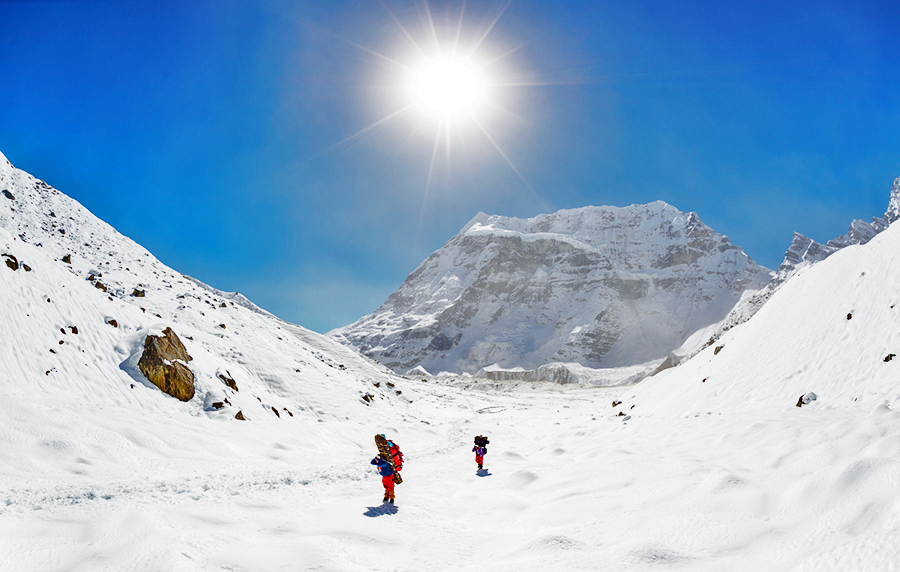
[[509, 162], [403, 29], [488, 31], [364, 130]]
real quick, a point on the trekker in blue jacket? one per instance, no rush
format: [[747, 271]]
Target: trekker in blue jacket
[[387, 477]]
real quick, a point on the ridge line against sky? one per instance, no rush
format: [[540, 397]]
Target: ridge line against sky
[[222, 136]]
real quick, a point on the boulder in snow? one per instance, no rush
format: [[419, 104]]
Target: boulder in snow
[[164, 363]]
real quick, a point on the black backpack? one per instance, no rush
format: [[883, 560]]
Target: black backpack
[[482, 441]]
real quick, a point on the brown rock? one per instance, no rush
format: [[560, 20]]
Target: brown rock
[[240, 416], [8, 195], [228, 380], [163, 363], [138, 293], [218, 405], [11, 261], [275, 411], [67, 259], [112, 323], [717, 350]]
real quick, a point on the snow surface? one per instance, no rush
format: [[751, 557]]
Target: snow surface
[[722, 474]]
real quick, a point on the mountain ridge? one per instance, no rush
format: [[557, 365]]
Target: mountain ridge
[[651, 272]]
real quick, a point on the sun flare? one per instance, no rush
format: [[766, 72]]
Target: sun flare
[[448, 86]]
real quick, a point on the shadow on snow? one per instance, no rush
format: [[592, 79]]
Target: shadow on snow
[[385, 509]]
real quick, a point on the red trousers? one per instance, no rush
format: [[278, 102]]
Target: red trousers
[[388, 483], [479, 459]]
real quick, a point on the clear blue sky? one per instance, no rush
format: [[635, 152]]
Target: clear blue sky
[[216, 133]]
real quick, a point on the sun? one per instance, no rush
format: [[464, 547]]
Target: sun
[[447, 78], [448, 86]]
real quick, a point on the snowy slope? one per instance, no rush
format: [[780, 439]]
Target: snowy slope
[[596, 286], [718, 475], [803, 252], [828, 330]]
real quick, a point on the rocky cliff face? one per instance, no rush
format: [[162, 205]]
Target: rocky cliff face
[[597, 286]]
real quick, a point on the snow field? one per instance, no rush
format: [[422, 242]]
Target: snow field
[[569, 487]]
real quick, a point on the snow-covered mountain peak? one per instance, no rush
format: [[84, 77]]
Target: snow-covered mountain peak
[[893, 211], [604, 285]]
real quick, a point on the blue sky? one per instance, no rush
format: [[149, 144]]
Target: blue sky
[[220, 134]]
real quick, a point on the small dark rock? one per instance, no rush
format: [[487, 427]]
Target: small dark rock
[[61, 342], [288, 411], [275, 411], [26, 267], [889, 357], [99, 286], [67, 259], [222, 326], [73, 329], [240, 416], [52, 351], [11, 261], [389, 384], [62, 330], [704, 379], [849, 316], [112, 323], [8, 195], [53, 214], [621, 414], [218, 405], [62, 231], [227, 380], [377, 384], [717, 350], [616, 403], [138, 293]]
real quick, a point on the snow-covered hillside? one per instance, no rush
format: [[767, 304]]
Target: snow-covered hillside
[[596, 286], [802, 253], [709, 466]]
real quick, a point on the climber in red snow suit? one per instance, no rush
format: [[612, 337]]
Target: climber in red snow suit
[[387, 477], [480, 449]]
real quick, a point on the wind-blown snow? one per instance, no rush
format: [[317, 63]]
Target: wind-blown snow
[[721, 474]]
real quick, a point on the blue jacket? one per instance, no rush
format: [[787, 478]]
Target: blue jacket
[[383, 467]]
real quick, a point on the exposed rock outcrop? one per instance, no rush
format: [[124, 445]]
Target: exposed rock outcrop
[[164, 363]]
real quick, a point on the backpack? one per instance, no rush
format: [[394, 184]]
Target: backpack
[[397, 456], [482, 441]]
